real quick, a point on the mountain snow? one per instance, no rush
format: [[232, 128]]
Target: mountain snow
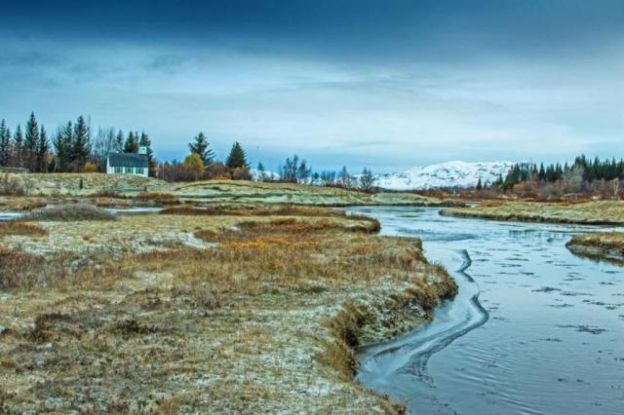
[[444, 175], [450, 174]]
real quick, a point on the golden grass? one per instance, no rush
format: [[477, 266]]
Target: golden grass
[[607, 246], [261, 320], [19, 228], [592, 212]]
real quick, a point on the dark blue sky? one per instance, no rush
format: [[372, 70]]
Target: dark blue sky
[[387, 84]]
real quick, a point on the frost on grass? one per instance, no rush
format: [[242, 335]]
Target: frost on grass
[[241, 314]]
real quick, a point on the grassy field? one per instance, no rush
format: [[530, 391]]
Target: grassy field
[[126, 190], [203, 311], [607, 246], [591, 212]]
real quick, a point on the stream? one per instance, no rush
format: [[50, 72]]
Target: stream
[[533, 329]]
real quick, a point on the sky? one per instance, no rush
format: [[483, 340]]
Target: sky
[[386, 84]]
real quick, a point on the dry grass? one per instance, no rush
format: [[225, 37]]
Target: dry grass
[[158, 198], [607, 246], [24, 229], [70, 213], [594, 212], [260, 320]]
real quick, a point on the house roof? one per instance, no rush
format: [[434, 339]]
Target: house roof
[[128, 160]]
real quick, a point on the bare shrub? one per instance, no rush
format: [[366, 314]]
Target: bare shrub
[[11, 186], [69, 213]]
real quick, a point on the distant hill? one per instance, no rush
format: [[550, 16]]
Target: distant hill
[[445, 175]]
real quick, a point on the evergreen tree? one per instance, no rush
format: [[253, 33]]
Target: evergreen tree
[[118, 144], [31, 141], [261, 172], [81, 144], [64, 145], [43, 146], [479, 185], [147, 143], [5, 144], [132, 143], [18, 147], [201, 147], [237, 158]]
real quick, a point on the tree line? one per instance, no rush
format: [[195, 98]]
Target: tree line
[[582, 169], [296, 170], [73, 147], [201, 163]]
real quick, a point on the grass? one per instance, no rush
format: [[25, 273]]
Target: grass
[[607, 246], [587, 212], [24, 229], [261, 317], [70, 213]]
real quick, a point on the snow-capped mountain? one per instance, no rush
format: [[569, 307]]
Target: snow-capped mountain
[[444, 175]]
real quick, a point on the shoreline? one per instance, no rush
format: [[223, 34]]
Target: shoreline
[[598, 213], [359, 325], [599, 246], [298, 294]]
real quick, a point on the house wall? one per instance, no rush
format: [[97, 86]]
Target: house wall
[[111, 170]]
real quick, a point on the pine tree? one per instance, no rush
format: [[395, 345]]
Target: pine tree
[[261, 172], [479, 185], [118, 144], [64, 146], [81, 144], [30, 143], [18, 147], [237, 158], [201, 146], [132, 143], [147, 143], [5, 144], [43, 146]]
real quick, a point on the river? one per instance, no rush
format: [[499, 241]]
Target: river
[[533, 330]]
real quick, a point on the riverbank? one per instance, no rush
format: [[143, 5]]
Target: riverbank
[[606, 212], [605, 246], [193, 311]]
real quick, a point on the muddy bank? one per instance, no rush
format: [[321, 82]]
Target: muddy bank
[[601, 246]]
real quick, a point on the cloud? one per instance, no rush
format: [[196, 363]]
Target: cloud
[[342, 82]]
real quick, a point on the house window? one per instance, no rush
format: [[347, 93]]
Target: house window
[[129, 170], [139, 170], [117, 170]]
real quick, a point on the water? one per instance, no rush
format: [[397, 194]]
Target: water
[[533, 330], [9, 216]]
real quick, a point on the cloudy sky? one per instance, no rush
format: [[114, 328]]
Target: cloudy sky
[[388, 84]]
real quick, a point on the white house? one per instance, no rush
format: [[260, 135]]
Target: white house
[[136, 164]]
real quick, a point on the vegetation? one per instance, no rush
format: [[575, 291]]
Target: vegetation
[[606, 246], [69, 213], [592, 212], [245, 314], [582, 178], [19, 228], [201, 147]]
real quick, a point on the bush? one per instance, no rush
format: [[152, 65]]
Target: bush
[[11, 186], [70, 213]]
